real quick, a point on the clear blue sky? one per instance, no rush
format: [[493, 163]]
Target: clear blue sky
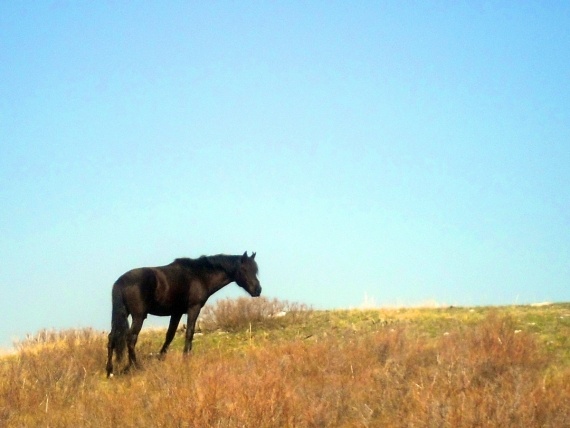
[[404, 151]]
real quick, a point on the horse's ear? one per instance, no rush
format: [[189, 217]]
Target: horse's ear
[[244, 257], [253, 256]]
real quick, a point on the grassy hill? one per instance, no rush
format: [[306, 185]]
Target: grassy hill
[[457, 367]]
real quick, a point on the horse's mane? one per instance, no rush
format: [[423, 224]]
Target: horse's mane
[[209, 263]]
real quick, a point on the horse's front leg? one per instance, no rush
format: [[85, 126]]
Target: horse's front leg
[[174, 321], [193, 312]]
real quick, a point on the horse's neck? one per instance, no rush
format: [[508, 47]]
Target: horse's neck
[[218, 280]]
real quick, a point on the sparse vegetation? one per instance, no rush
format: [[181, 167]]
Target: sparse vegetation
[[456, 367]]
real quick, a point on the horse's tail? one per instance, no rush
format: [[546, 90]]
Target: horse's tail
[[119, 322]]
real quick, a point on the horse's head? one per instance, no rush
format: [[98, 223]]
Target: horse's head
[[246, 276]]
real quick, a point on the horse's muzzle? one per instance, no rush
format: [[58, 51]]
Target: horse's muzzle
[[257, 292]]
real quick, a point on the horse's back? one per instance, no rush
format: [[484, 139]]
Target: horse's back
[[155, 290], [135, 277]]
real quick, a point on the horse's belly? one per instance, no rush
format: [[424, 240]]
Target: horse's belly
[[162, 310]]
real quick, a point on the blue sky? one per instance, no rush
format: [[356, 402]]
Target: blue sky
[[400, 151]]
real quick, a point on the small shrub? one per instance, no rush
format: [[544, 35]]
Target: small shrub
[[239, 314]]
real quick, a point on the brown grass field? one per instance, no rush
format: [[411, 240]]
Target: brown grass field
[[442, 367]]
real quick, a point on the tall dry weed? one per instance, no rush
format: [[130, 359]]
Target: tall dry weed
[[49, 372]]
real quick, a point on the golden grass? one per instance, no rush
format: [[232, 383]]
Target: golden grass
[[439, 367]]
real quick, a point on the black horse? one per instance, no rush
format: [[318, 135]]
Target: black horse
[[182, 287]]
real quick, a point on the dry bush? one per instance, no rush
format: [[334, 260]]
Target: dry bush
[[242, 313]]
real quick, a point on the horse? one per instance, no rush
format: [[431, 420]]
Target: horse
[[182, 287]]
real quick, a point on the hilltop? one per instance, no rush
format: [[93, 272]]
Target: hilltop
[[274, 364]]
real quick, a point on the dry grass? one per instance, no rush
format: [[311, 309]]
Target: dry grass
[[339, 369]]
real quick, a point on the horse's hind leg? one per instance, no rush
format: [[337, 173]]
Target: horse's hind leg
[[110, 357], [132, 340]]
